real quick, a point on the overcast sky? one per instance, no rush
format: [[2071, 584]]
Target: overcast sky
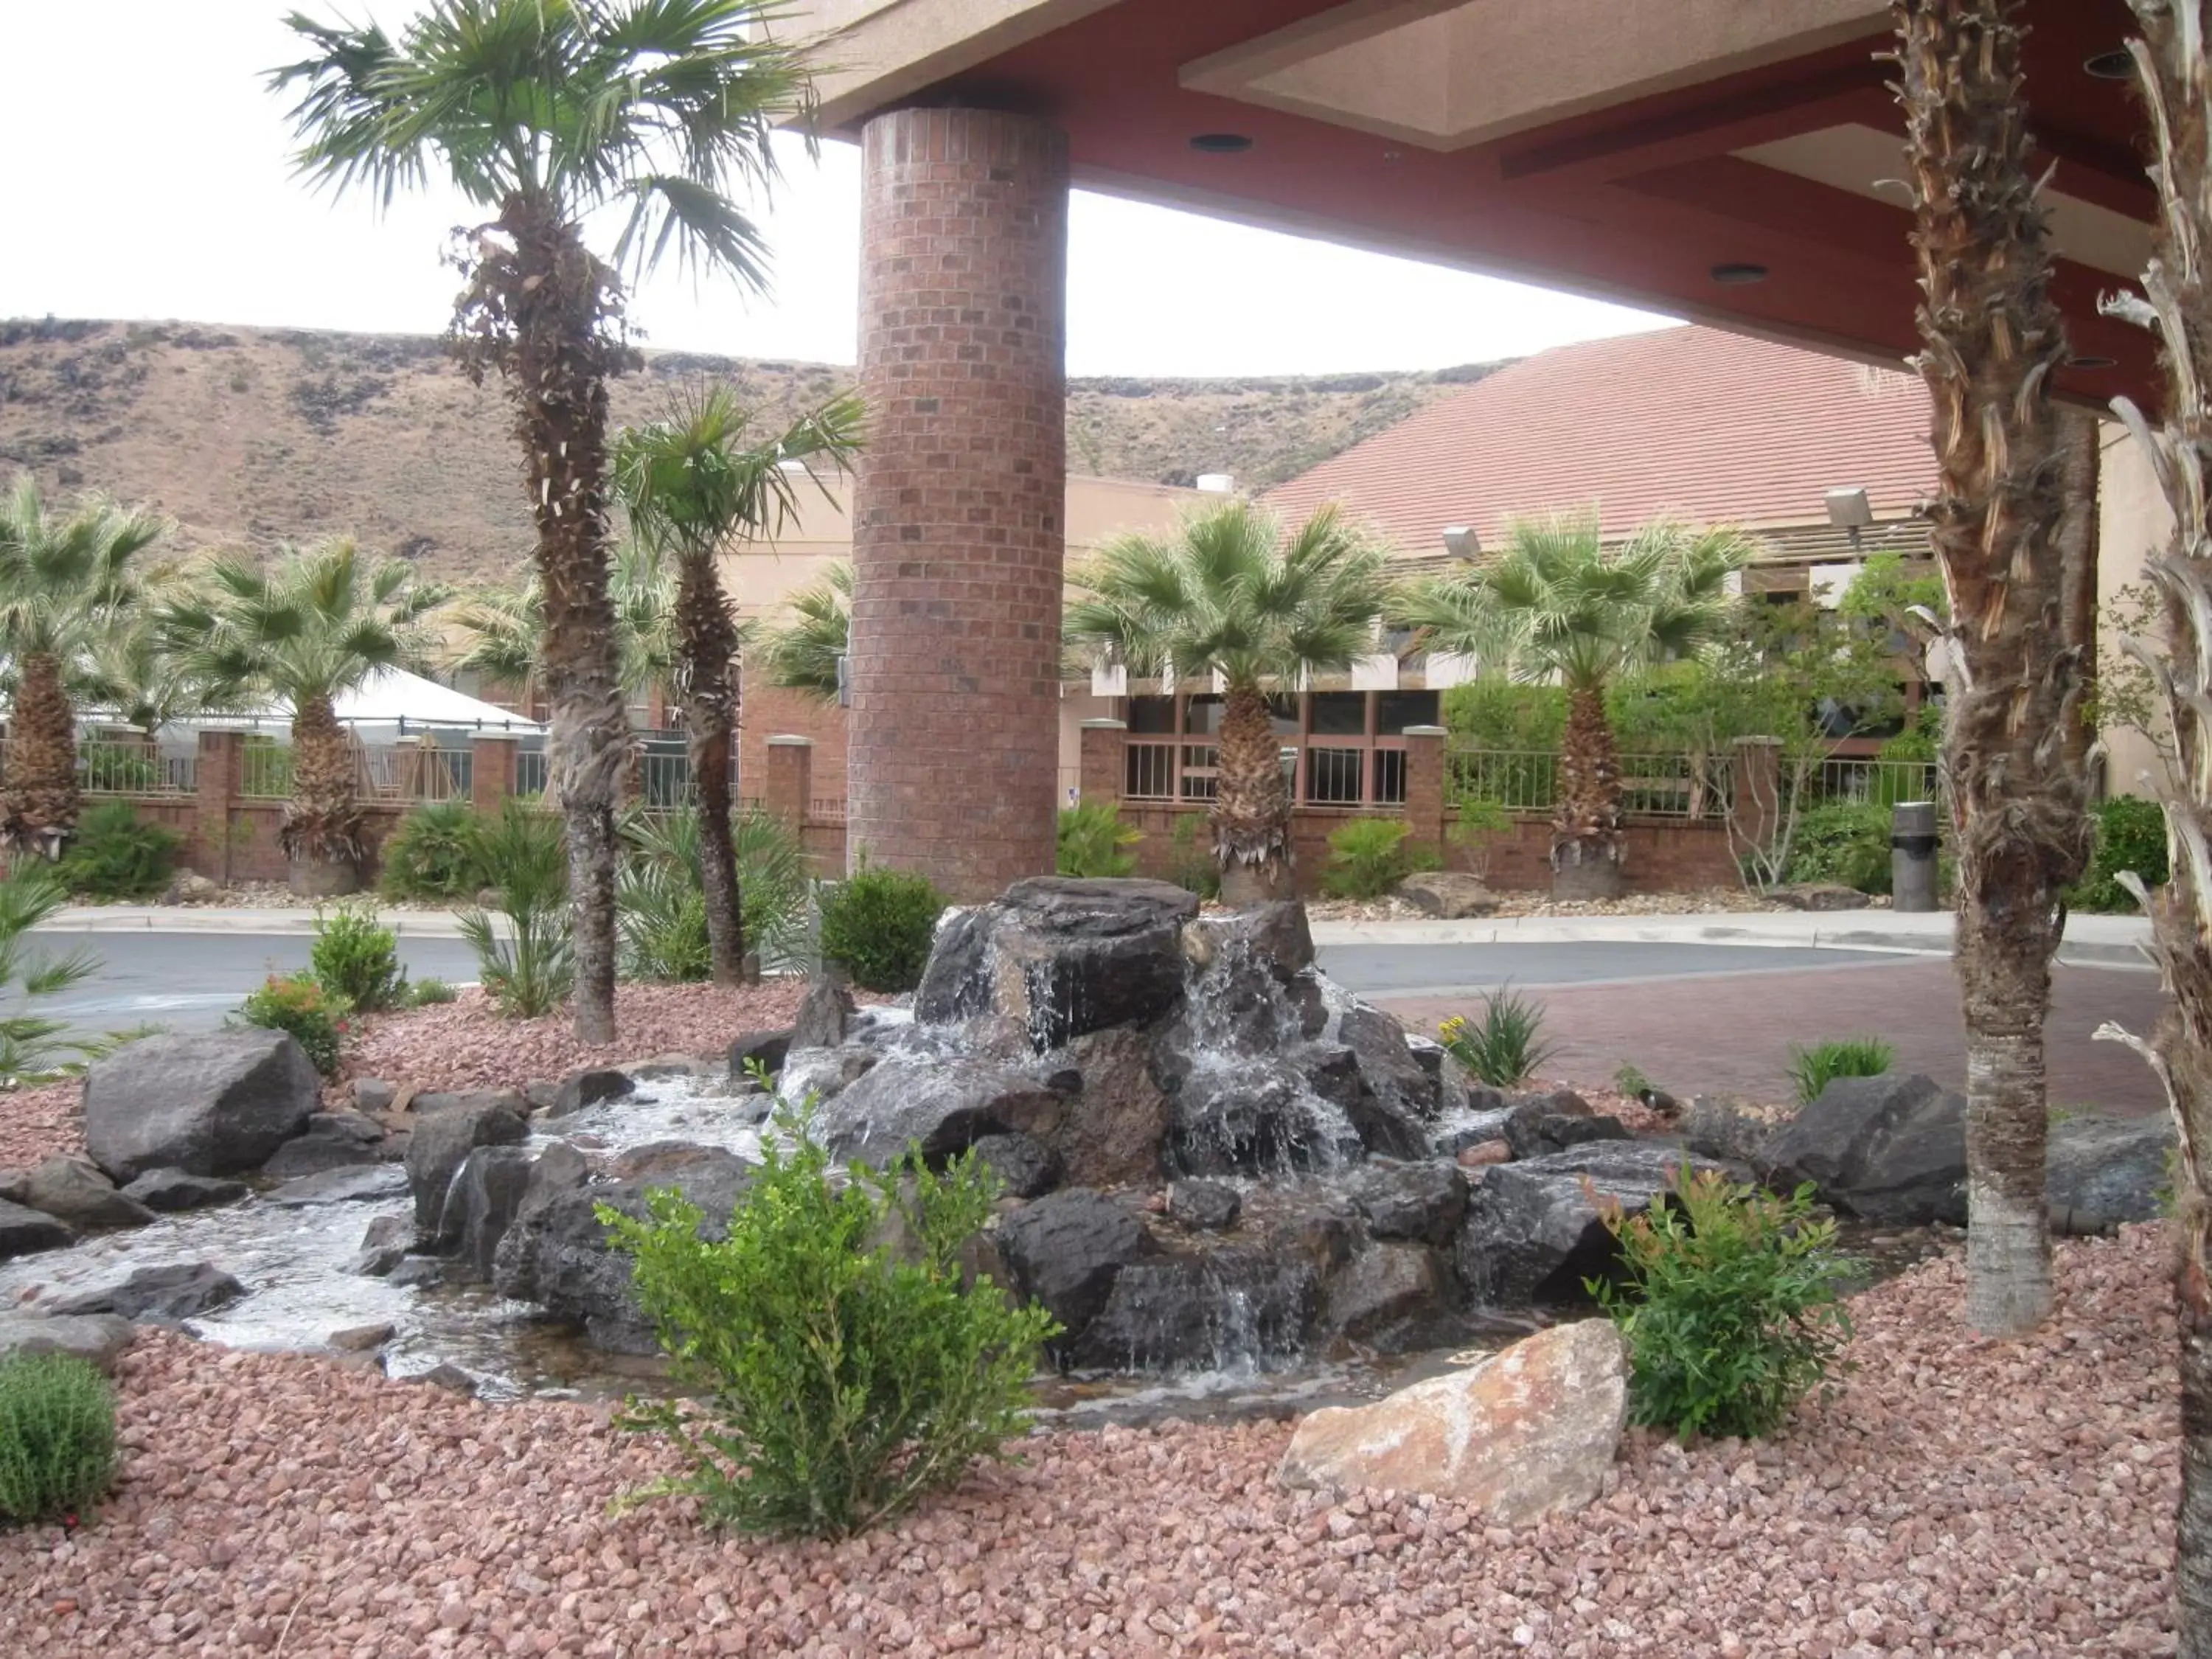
[[161, 189]]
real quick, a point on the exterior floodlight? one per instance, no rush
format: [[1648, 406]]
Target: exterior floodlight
[[1849, 509], [1460, 541]]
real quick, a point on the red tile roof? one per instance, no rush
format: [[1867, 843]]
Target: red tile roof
[[1688, 422]]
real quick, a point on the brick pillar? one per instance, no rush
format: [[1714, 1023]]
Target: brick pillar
[[218, 772], [958, 497], [1424, 788], [789, 786], [492, 771], [1104, 758], [1755, 791]]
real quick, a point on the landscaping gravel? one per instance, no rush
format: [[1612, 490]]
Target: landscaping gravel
[[1956, 1497], [36, 1123]]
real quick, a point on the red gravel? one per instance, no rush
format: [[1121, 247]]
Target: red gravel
[[1957, 1497], [36, 1123]]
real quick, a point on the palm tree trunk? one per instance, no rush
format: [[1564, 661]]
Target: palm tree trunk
[[1251, 815], [1992, 340], [39, 801], [709, 642], [322, 823], [1586, 838]]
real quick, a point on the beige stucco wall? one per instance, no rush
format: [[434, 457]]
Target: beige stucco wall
[[2132, 523]]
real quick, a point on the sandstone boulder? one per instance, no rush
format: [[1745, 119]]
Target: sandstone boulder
[[1448, 894]]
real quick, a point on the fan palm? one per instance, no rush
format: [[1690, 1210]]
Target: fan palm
[[317, 625], [539, 111], [802, 654], [65, 581], [1560, 606], [504, 628], [129, 672], [1230, 596], [698, 484]]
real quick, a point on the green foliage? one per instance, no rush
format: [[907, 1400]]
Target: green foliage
[[1844, 842], [35, 1045], [124, 768], [1505, 1047], [530, 969], [1095, 841], [1813, 1069], [1506, 716], [2130, 836], [1191, 863], [295, 1003], [662, 908], [1475, 825], [849, 1367], [433, 854], [1630, 1079], [1884, 591], [427, 991], [878, 924], [56, 1436], [1730, 1306], [356, 959], [1369, 857], [117, 855], [801, 654]]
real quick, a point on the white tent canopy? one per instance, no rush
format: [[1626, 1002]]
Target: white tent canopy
[[393, 703]]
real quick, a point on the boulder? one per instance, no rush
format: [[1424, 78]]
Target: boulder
[[332, 1141], [1061, 955], [1206, 1206], [1483, 1153], [96, 1338], [822, 1074], [1534, 1129], [162, 1295], [1714, 1129], [1448, 894], [24, 1231], [1113, 1123], [1275, 936], [591, 1087], [1025, 1166], [488, 1192], [356, 1184], [1422, 1202], [1533, 1232], [447, 1129], [1064, 1251], [71, 1190], [825, 1016], [660, 1066], [1529, 1432], [214, 1103], [1818, 896], [1384, 1285], [362, 1339], [1202, 1311], [1258, 1118], [1888, 1149], [766, 1049], [2105, 1171], [374, 1095], [383, 1246], [171, 1190], [944, 1103]]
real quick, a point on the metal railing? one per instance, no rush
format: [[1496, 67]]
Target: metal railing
[[1335, 777], [413, 772], [826, 809], [1148, 770], [125, 768], [1880, 782], [1660, 785], [265, 771], [664, 781]]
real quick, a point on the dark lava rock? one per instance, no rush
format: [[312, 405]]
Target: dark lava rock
[[1387, 1063], [445, 1134], [161, 1295], [1258, 1118], [420, 1271], [171, 1190], [1025, 1166], [1112, 1127], [24, 1231], [1208, 1207], [1532, 1129], [383, 1246], [1200, 1311], [1424, 1202], [2106, 1170], [347, 1186], [96, 1338], [488, 1192], [332, 1140], [1274, 936], [215, 1104], [1713, 1128], [766, 1049], [1385, 1286], [589, 1087], [71, 1190], [825, 1018], [1887, 1149], [1065, 1250], [944, 1103]]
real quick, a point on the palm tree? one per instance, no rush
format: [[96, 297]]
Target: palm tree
[[129, 672], [504, 628], [1559, 605], [802, 654], [1992, 342], [697, 484], [1229, 596], [317, 625], [63, 581], [539, 111]]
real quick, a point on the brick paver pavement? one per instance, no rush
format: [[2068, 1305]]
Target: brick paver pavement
[[1731, 1033]]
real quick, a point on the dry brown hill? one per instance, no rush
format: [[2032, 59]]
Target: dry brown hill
[[249, 436]]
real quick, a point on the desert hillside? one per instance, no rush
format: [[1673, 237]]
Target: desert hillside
[[249, 437]]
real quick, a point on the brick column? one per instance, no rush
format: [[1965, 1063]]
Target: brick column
[[789, 786], [958, 497], [217, 773], [1424, 788], [1103, 760], [491, 770], [1755, 791]]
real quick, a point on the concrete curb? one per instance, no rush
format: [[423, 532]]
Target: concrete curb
[[265, 924]]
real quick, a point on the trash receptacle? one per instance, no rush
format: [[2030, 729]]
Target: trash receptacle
[[1912, 855]]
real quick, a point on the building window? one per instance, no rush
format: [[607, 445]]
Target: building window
[[1396, 710]]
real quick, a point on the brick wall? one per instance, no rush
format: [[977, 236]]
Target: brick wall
[[766, 712]]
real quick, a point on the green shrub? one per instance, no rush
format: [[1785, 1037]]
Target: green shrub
[[1841, 842], [1095, 841], [423, 992], [847, 1377], [1729, 1306], [1191, 863], [295, 1003], [1369, 857], [56, 1436], [35, 1045], [877, 924], [662, 907], [117, 855], [531, 969], [2130, 836], [1813, 1069], [1504, 1048], [120, 767], [660, 911], [433, 854], [356, 958]]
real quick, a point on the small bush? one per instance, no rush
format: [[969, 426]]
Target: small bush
[[1505, 1047], [356, 958], [847, 1377], [1369, 857], [1841, 842], [1095, 841], [116, 854], [1813, 1069], [1476, 826], [2130, 836], [56, 1436], [531, 970], [120, 767], [433, 854], [295, 1003], [1630, 1080], [663, 908], [878, 924], [661, 912], [1729, 1306], [424, 993], [1191, 863]]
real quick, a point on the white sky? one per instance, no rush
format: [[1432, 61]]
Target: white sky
[[161, 190]]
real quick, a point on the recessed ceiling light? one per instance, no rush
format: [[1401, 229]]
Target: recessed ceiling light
[[1221, 143], [1738, 274], [2116, 66], [2092, 360]]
